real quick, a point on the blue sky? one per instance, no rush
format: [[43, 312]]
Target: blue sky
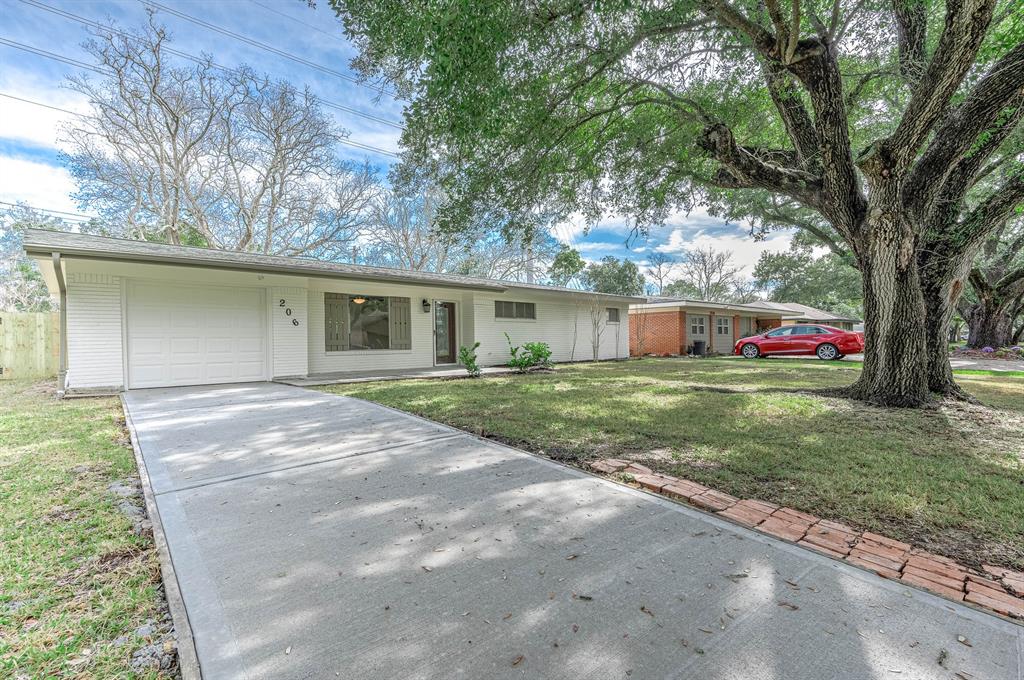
[[30, 167]]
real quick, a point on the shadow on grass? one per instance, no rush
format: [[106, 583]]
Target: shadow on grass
[[951, 480]]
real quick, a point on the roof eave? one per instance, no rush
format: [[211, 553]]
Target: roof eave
[[45, 250]]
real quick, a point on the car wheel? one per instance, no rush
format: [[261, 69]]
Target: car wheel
[[827, 352], [750, 351]]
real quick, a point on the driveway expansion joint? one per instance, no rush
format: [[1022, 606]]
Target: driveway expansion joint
[[324, 570], [310, 463]]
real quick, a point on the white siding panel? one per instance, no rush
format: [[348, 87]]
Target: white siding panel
[[562, 322], [94, 332], [291, 343]]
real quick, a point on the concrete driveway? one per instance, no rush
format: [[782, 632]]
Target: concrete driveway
[[317, 536]]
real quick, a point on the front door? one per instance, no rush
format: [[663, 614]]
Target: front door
[[444, 333]]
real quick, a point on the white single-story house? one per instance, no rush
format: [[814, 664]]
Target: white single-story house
[[138, 314]]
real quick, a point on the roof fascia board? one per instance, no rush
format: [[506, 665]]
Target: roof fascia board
[[34, 250]]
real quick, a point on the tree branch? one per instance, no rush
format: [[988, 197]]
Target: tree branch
[[992, 211], [794, 115], [1012, 284], [746, 168], [911, 26], [761, 37], [995, 102], [966, 24]]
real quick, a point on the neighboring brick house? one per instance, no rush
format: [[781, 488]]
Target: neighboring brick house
[[794, 312], [675, 326]]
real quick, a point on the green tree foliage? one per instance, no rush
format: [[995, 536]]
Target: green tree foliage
[[682, 289], [566, 268], [612, 275], [22, 288], [825, 281], [890, 122]]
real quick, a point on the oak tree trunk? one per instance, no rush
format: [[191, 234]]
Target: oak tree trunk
[[942, 282], [989, 325], [895, 357]]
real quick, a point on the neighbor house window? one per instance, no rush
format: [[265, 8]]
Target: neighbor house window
[[722, 324], [697, 325], [354, 322], [504, 309], [613, 315]]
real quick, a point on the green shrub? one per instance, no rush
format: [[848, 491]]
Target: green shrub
[[530, 355], [467, 357], [539, 353]]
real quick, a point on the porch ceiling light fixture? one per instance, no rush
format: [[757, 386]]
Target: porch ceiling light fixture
[[359, 300], [426, 305]]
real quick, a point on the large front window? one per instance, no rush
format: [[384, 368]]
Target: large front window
[[353, 322], [368, 322]]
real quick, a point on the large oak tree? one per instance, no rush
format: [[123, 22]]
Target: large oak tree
[[891, 121]]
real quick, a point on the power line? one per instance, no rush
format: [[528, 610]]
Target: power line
[[263, 46], [183, 55], [291, 18], [45, 106], [50, 55], [58, 213], [348, 142]]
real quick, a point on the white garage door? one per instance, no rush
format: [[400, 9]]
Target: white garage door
[[190, 335]]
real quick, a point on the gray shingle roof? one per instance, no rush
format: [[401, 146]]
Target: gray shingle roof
[[43, 242], [795, 310]]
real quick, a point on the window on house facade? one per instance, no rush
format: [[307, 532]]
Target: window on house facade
[[613, 315], [504, 309], [361, 322], [722, 324], [697, 325]]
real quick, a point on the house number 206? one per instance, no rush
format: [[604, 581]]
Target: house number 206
[[287, 310]]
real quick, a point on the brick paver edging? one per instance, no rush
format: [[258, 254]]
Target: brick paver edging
[[994, 588]]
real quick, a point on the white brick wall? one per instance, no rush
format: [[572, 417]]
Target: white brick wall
[[94, 332]]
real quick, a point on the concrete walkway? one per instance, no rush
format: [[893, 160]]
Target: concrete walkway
[[388, 374], [321, 536], [958, 363]]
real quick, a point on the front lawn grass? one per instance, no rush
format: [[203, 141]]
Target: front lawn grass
[[950, 479], [73, 574]]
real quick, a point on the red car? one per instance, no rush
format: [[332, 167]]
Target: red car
[[825, 342]]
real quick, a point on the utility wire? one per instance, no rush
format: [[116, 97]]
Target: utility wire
[[56, 213], [348, 142], [183, 55], [264, 46], [45, 106], [291, 18], [51, 55]]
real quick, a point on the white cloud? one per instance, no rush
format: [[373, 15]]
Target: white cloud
[[30, 123], [598, 246], [745, 250], [570, 231], [38, 184]]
